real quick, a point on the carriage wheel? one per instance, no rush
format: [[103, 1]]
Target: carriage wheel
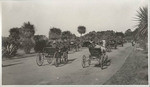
[[40, 59], [56, 59], [102, 61], [108, 49], [89, 60], [108, 62], [65, 57], [115, 46], [105, 59], [83, 61], [76, 49], [56, 62], [122, 45]]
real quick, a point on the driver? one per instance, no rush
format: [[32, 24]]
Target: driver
[[100, 46]]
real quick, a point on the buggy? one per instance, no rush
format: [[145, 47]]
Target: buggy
[[50, 53], [74, 46], [112, 44], [96, 54], [120, 42]]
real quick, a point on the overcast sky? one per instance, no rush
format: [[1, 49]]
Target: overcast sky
[[98, 15]]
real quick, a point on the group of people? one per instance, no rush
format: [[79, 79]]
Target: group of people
[[101, 44], [64, 44]]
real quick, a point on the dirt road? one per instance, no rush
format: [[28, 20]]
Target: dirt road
[[24, 71]]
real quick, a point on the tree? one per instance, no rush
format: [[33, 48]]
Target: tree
[[40, 42], [142, 27], [11, 44], [81, 29], [27, 30], [26, 36], [92, 35], [54, 33], [120, 34], [14, 33], [27, 45], [66, 35], [128, 32]]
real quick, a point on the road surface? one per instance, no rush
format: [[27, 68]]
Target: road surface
[[25, 71]]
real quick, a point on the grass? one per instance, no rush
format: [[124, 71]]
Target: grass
[[133, 72]]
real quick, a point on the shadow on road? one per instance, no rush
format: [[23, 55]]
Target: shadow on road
[[21, 56], [69, 62], [11, 64], [61, 64]]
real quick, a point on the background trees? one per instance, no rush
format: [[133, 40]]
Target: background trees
[[11, 44], [128, 32], [66, 35], [54, 33], [40, 42], [129, 35], [81, 29], [26, 36], [120, 34]]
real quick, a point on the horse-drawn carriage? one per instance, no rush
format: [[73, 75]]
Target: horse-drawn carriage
[[58, 55], [96, 54], [73, 45], [111, 44], [120, 42]]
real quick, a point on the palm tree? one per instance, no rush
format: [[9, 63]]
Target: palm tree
[[142, 18], [142, 27], [27, 32], [81, 30]]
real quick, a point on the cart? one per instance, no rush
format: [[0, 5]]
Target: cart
[[50, 54], [96, 54]]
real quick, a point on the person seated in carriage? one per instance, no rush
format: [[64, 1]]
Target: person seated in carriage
[[97, 45], [133, 42]]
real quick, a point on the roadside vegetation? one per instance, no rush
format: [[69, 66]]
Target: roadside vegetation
[[133, 72], [135, 69]]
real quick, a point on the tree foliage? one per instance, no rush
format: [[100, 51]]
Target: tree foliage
[[54, 33], [128, 32], [119, 34], [14, 33], [40, 42], [81, 29], [142, 27], [66, 35], [26, 36], [27, 44], [27, 30], [11, 44]]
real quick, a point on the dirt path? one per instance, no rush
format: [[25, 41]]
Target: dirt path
[[25, 71]]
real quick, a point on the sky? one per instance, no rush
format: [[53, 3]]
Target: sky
[[95, 15]]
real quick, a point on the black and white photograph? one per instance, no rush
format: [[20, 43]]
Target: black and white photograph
[[74, 42]]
